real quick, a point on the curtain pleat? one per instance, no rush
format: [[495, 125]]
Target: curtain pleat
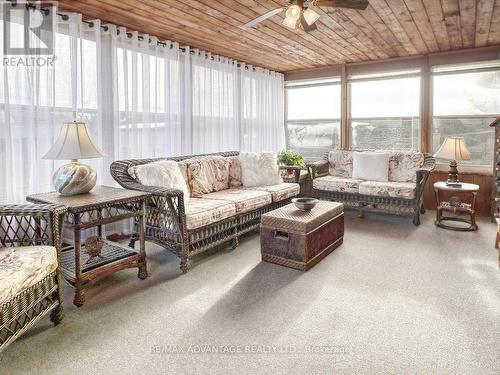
[[140, 99]]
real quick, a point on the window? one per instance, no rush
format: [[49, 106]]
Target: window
[[466, 98], [385, 111], [313, 116]]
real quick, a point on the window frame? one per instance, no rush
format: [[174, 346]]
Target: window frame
[[412, 72], [453, 69], [312, 83]]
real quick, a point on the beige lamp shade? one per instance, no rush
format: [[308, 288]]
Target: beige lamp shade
[[74, 142], [453, 148]]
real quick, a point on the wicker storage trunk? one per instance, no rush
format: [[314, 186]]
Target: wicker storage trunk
[[298, 239]]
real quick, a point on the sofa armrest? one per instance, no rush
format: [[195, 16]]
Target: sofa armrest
[[167, 204], [423, 173], [317, 168]]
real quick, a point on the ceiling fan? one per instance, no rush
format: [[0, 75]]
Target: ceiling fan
[[299, 13]]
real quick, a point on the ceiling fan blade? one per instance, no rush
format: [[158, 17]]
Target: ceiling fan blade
[[350, 4], [261, 18]]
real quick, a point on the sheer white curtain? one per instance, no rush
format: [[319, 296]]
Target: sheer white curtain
[[141, 98], [215, 104], [262, 102], [144, 94], [35, 101]]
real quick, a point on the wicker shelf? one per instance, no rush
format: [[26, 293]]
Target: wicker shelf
[[111, 253]]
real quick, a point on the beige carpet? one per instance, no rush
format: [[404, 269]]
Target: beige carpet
[[392, 299]]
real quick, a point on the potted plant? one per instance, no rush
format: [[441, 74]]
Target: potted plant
[[290, 158]]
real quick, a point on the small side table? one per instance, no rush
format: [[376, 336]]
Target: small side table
[[82, 264], [455, 207]]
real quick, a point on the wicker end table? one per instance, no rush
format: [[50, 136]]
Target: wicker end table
[[82, 264], [297, 239], [453, 209]]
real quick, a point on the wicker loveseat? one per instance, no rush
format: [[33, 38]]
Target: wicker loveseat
[[30, 279], [206, 221], [402, 194]]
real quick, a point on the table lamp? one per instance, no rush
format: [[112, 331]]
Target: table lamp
[[74, 142], [453, 148]]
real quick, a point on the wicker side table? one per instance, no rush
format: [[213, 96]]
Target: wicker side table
[[83, 264], [456, 208]]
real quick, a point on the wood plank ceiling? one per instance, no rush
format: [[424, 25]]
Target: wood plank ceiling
[[387, 28]]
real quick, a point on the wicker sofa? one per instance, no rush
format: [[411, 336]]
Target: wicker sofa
[[401, 195], [30, 278], [206, 221]]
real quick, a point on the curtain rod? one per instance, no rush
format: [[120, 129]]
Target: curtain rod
[[65, 17]]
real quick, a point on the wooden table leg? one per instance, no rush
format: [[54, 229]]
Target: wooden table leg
[[438, 212], [143, 269]]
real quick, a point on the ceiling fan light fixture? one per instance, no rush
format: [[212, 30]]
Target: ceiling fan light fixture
[[290, 22], [310, 16], [293, 12]]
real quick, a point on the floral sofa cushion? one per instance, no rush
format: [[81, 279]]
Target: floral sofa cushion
[[340, 163], [234, 172], [23, 267], [388, 189], [340, 184], [201, 212], [207, 174], [280, 192], [244, 199], [403, 166]]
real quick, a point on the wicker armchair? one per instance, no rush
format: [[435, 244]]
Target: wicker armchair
[[36, 295], [386, 204], [166, 215]]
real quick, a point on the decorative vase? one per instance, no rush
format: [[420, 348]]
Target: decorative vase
[[74, 178]]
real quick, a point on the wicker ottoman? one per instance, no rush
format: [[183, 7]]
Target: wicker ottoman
[[299, 239]]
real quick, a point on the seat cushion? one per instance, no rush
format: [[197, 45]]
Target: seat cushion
[[201, 212], [23, 267], [340, 163], [403, 166], [281, 191], [388, 189], [244, 199], [334, 183]]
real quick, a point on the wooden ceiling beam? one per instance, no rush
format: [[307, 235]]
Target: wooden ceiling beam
[[451, 12], [421, 19], [435, 13], [494, 33], [406, 21], [484, 18]]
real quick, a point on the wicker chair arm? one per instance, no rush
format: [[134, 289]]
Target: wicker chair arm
[[15, 217], [318, 167], [423, 174], [429, 164]]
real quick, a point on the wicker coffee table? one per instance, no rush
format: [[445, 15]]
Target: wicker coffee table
[[82, 264], [298, 239]]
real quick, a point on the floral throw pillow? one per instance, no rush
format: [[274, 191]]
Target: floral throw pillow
[[208, 174]]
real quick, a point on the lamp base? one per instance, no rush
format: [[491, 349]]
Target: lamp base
[[453, 173], [74, 178]]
